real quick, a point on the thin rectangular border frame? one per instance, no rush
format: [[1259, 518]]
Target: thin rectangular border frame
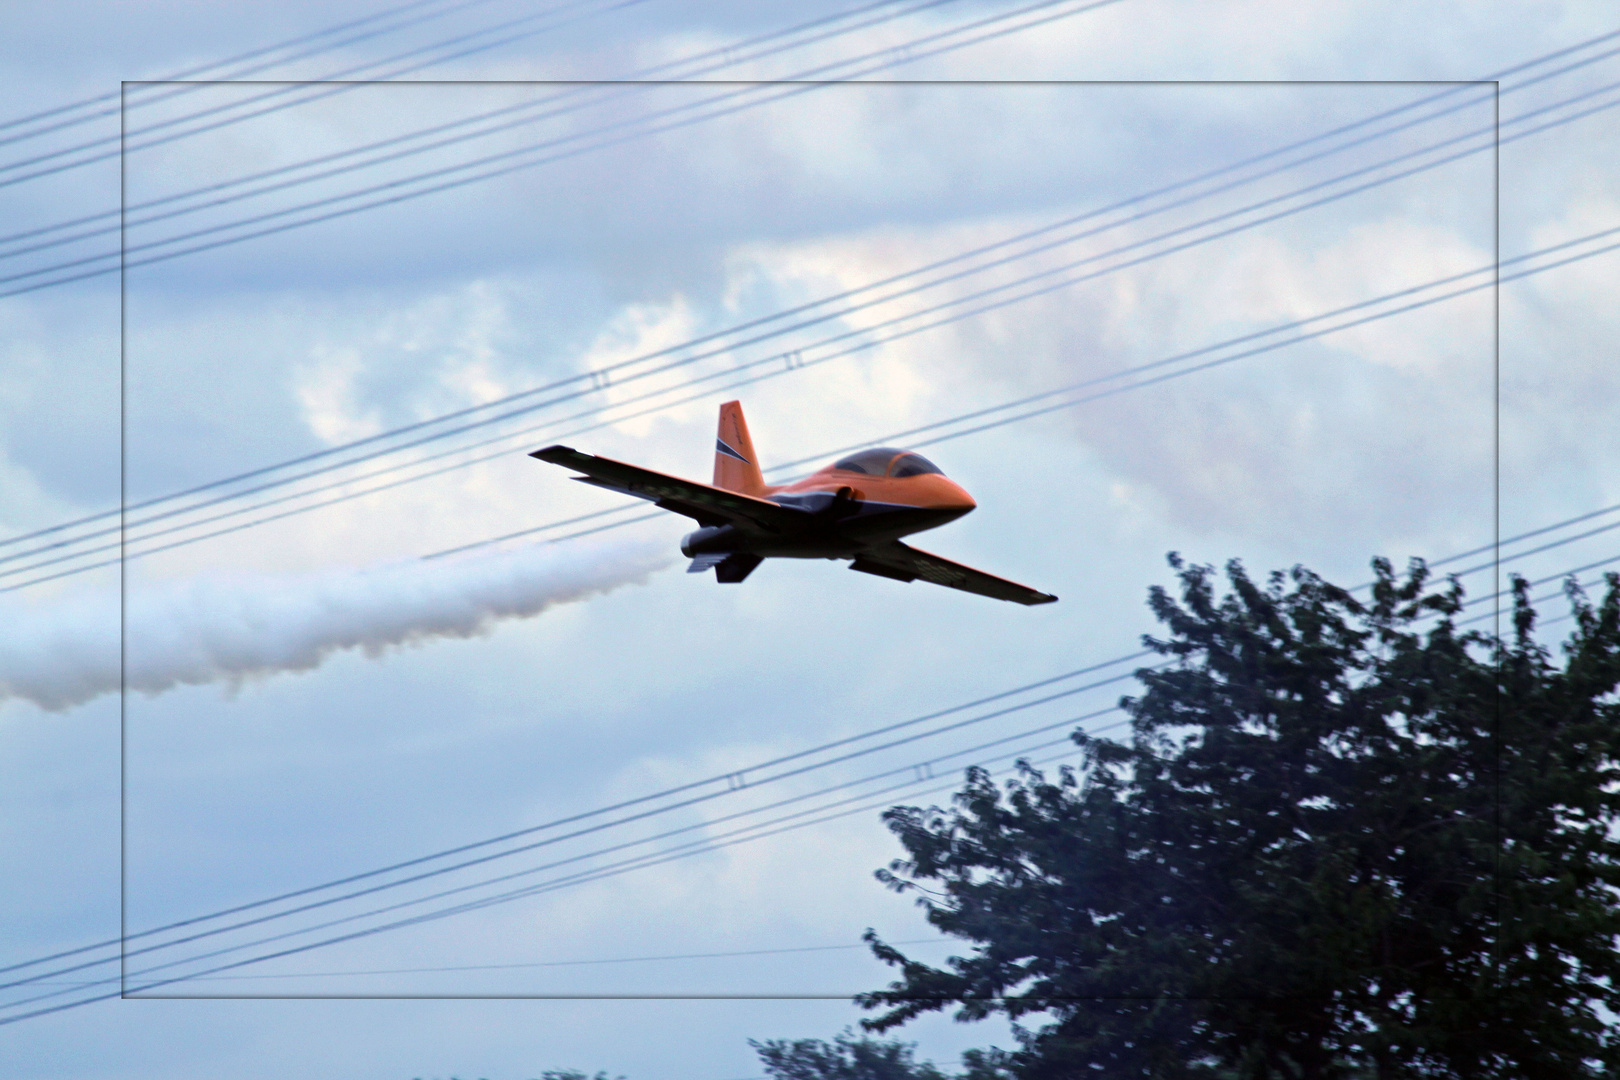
[[123, 501]]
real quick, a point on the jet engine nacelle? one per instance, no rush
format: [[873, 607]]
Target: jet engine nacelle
[[710, 540]]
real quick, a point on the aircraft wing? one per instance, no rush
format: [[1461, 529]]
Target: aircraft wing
[[707, 505], [897, 560]]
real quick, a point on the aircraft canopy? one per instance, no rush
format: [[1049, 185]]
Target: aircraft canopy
[[886, 461]]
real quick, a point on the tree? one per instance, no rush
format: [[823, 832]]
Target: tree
[[1343, 840], [850, 1058]]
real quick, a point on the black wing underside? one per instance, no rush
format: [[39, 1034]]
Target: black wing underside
[[705, 504], [903, 563]]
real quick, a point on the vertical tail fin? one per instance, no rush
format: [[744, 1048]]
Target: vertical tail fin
[[735, 466]]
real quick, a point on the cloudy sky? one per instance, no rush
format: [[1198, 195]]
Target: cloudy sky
[[1144, 276]]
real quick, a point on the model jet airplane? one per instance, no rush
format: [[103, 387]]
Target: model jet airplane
[[856, 508]]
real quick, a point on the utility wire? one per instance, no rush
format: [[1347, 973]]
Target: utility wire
[[533, 406], [1521, 276], [957, 434], [745, 834], [608, 373], [670, 119], [742, 834], [749, 832], [1028, 414], [739, 786], [508, 437], [729, 954], [1562, 575], [720, 779], [757, 831], [128, 142], [533, 845], [136, 221], [214, 66], [666, 390], [15, 538], [709, 61], [920, 775], [545, 963]]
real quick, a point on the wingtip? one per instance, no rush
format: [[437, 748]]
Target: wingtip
[[551, 453]]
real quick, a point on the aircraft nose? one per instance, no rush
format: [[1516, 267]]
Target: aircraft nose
[[957, 498]]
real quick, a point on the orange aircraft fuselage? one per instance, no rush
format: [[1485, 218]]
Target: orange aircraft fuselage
[[866, 499], [857, 508], [850, 511]]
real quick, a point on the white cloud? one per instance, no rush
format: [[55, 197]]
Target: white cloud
[[1326, 453]]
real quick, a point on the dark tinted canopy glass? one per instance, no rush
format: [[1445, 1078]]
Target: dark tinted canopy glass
[[873, 462], [912, 465], [886, 461]]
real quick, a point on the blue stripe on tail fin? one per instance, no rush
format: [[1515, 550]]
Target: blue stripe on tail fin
[[736, 467]]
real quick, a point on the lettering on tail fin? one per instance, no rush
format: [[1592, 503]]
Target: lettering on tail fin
[[736, 467]]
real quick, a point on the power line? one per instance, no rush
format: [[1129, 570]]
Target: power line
[[744, 834], [758, 830], [1562, 575], [120, 144], [720, 779], [919, 776], [578, 963], [1594, 512], [730, 788], [452, 433], [531, 407], [559, 963], [957, 434], [901, 54], [695, 847], [726, 56], [1028, 414], [422, 133], [193, 72], [606, 373]]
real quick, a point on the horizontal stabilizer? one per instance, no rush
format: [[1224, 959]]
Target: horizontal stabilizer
[[735, 567]]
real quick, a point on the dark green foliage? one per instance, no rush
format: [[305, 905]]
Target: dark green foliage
[[845, 1058], [573, 1074], [1345, 840], [850, 1058], [568, 1074]]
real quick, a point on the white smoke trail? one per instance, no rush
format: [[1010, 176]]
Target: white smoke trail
[[233, 627]]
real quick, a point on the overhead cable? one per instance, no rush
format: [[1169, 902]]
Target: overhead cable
[[609, 373]]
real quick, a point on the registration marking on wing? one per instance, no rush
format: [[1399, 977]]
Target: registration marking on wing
[[939, 575]]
